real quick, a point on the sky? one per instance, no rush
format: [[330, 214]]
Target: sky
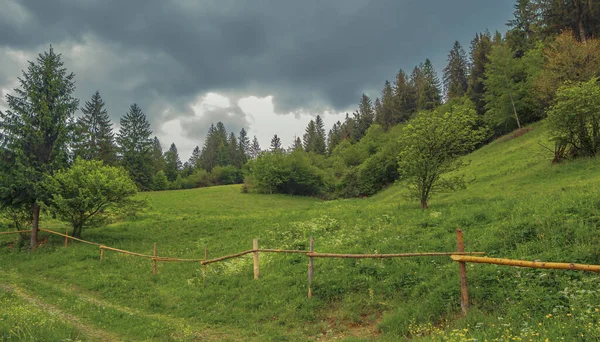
[[269, 66]]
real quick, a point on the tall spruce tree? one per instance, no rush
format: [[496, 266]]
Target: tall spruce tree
[[310, 136], [135, 146], [320, 142], [363, 118], [158, 159], [215, 150], [456, 72], [429, 91], [35, 134], [254, 148], [276, 144], [296, 145], [194, 161], [235, 158], [404, 98], [481, 46], [94, 135], [387, 116], [243, 146], [172, 163], [334, 137]]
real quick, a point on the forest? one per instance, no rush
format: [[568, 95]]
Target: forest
[[545, 66]]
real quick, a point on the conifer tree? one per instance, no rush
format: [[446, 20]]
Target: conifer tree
[[363, 118], [404, 98], [296, 145], [158, 160], [275, 144], [310, 136], [94, 136], [481, 46], [235, 158], [172, 163], [244, 146], [455, 73], [320, 146], [254, 148], [135, 146], [429, 92], [35, 133], [334, 137], [194, 161], [387, 115]]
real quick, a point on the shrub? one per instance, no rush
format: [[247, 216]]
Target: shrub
[[574, 120]]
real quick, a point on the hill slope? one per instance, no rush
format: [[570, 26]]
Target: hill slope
[[517, 205]]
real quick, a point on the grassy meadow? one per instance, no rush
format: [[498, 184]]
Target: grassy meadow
[[516, 205]]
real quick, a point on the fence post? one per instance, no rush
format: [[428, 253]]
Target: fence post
[[464, 291], [66, 236], [204, 269], [101, 252], [256, 269], [154, 259], [311, 266]]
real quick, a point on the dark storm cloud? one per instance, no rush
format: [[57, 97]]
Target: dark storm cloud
[[310, 55]]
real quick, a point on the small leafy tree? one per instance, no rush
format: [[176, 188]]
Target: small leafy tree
[[433, 143], [574, 120], [84, 192]]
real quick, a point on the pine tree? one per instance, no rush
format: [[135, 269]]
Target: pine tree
[[194, 161], [35, 133], [254, 148], [334, 137], [235, 158], [429, 94], [310, 136], [296, 145], [320, 145], [387, 116], [405, 98], [275, 144], [363, 118], [158, 160], [222, 157], [481, 46], [95, 138], [215, 151], [172, 163], [455, 73], [244, 146], [135, 146]]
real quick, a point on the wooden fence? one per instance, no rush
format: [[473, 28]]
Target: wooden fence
[[460, 256]]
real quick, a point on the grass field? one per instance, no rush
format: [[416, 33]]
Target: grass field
[[516, 205]]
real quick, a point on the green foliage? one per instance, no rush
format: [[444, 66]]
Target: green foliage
[[574, 120], [160, 181], [566, 59], [94, 138], [36, 130], [516, 206], [481, 47], [225, 175], [456, 72], [291, 174], [172, 163], [200, 178], [136, 146], [82, 194], [433, 143]]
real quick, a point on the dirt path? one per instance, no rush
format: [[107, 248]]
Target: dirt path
[[91, 333]]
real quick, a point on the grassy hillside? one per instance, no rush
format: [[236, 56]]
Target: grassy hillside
[[516, 205]]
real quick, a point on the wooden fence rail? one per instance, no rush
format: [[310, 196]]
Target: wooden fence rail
[[460, 256]]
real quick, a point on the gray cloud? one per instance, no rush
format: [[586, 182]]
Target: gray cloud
[[310, 55]]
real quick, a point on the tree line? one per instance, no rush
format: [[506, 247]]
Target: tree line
[[546, 65]]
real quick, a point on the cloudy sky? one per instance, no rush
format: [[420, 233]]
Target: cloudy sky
[[266, 65]]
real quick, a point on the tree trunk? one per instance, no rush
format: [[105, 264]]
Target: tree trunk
[[35, 226], [424, 204], [514, 110]]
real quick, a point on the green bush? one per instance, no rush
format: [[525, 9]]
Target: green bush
[[574, 120], [225, 175], [291, 174]]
